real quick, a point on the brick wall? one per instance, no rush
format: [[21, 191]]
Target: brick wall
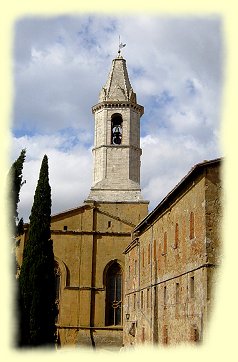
[[177, 255]]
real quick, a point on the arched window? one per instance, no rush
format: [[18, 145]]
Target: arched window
[[116, 129], [113, 295], [191, 225]]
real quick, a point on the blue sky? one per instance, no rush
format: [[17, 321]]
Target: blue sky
[[175, 66]]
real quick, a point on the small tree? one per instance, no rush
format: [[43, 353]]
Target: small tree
[[37, 309]]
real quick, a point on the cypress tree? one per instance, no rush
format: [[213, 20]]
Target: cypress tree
[[37, 309], [15, 180]]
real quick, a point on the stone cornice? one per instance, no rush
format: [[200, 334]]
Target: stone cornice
[[131, 246], [119, 146], [118, 104], [81, 232]]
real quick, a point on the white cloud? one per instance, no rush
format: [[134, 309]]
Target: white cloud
[[173, 157], [69, 172]]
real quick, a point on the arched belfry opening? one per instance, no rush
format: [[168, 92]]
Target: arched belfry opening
[[113, 312], [116, 129]]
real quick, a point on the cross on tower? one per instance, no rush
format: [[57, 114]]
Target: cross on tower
[[121, 45]]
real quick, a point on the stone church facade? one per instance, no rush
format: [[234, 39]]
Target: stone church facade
[[109, 291]]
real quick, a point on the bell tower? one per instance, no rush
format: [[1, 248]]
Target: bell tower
[[116, 152], [89, 241]]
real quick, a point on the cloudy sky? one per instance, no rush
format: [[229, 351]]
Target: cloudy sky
[[175, 66]]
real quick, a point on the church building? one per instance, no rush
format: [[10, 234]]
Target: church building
[[89, 240], [123, 275]]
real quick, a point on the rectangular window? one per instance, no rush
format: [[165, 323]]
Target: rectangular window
[[65, 228], [155, 296], [143, 335], [135, 267], [165, 243], [129, 271], [134, 301], [143, 257], [141, 300], [194, 334], [176, 236], [154, 250], [132, 330], [177, 293], [149, 254], [148, 298], [191, 226], [191, 287], [165, 335], [165, 295]]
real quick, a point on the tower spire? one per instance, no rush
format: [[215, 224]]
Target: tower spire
[[118, 86]]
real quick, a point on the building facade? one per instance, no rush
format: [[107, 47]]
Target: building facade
[[88, 241], [123, 276], [171, 263]]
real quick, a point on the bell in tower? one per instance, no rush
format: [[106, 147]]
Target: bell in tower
[[116, 129]]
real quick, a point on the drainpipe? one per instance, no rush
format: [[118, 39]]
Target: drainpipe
[[138, 280], [92, 304], [151, 276]]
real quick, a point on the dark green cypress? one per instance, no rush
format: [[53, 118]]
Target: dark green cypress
[[37, 309], [15, 181]]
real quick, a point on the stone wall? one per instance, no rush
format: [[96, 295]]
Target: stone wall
[[168, 294]]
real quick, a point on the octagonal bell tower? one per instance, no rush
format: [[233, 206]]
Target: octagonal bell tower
[[116, 152]]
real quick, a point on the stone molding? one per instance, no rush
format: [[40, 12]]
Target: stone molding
[[118, 105]]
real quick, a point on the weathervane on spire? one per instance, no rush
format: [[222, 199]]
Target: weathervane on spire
[[121, 45]]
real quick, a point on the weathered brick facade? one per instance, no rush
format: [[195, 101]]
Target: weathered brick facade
[[170, 264]]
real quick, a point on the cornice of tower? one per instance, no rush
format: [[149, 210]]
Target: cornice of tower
[[119, 147], [118, 104]]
